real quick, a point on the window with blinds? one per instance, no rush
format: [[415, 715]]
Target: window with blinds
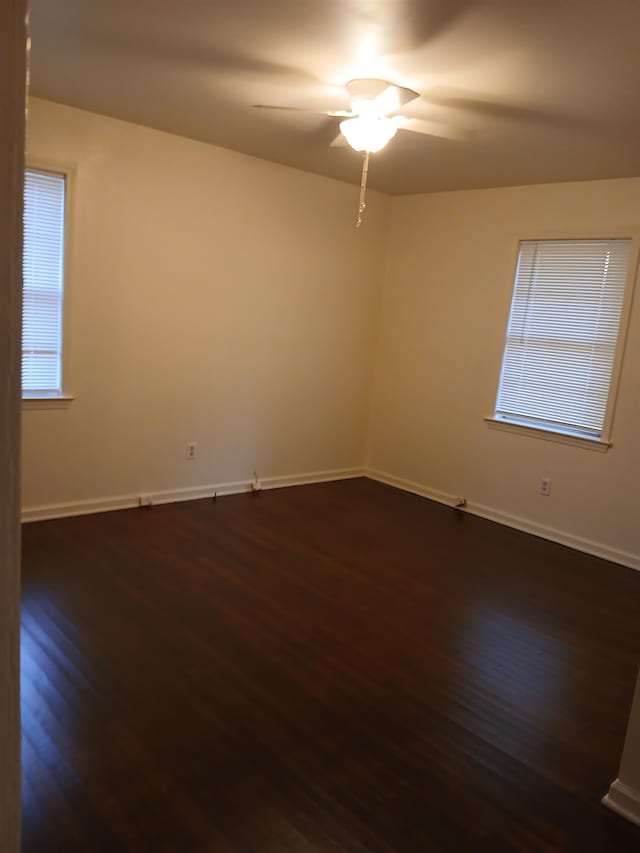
[[562, 335], [43, 283]]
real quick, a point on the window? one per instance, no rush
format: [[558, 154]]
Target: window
[[43, 284], [563, 334]]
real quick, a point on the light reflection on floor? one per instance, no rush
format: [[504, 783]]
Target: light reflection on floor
[[509, 657], [47, 715]]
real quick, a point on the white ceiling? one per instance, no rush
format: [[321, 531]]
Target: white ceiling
[[550, 88]]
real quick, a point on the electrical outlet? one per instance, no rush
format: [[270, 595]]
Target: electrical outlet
[[545, 487], [191, 450]]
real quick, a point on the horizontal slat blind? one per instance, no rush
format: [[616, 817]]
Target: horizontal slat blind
[[43, 282], [562, 334]]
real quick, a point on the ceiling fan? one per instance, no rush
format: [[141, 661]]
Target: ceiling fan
[[374, 119]]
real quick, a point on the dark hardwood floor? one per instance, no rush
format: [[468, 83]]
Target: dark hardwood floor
[[340, 667]]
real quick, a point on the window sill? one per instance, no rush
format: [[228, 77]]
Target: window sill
[[62, 401], [596, 444]]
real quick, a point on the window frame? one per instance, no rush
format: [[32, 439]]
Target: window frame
[[61, 399], [604, 442]]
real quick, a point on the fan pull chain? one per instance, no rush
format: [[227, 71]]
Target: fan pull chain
[[363, 187]]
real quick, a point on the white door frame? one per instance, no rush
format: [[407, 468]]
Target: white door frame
[[13, 56]]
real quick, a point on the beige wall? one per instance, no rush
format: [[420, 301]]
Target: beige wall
[[443, 320], [212, 297], [217, 298], [12, 87]]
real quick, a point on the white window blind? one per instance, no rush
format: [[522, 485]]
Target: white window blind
[[43, 264], [562, 335]]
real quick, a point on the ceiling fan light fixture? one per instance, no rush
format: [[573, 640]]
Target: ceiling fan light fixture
[[368, 133]]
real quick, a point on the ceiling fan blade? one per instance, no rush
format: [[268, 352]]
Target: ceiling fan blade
[[433, 128], [341, 113], [393, 98], [339, 142], [385, 97], [488, 109], [412, 24], [366, 87]]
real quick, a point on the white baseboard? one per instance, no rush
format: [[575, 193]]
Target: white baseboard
[[192, 493], [578, 543], [88, 507], [408, 486], [624, 801], [107, 504]]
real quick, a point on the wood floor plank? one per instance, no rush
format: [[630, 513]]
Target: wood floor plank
[[337, 667]]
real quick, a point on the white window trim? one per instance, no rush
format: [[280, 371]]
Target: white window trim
[[39, 401], [603, 443], [550, 434], [62, 400]]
